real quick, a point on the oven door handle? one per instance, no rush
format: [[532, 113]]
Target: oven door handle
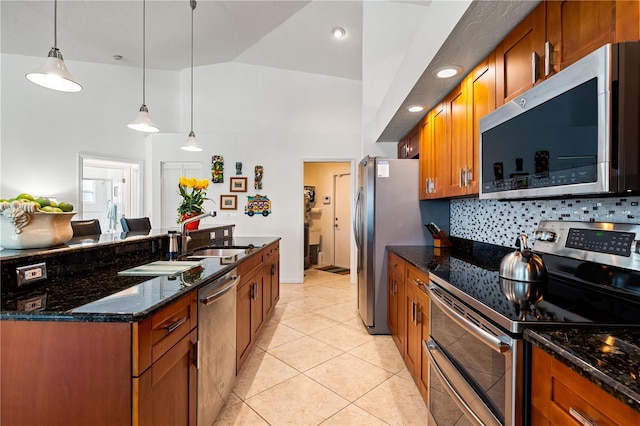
[[457, 387], [499, 344]]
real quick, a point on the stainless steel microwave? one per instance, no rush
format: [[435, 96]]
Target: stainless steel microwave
[[577, 132]]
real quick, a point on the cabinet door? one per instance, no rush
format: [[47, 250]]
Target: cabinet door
[[514, 71], [243, 323], [439, 151], [423, 300], [166, 392], [274, 275], [259, 303], [457, 142], [426, 156], [412, 354], [577, 28], [413, 143], [481, 97], [403, 148], [395, 300]]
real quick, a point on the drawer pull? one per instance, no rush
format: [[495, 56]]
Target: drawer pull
[[175, 325], [581, 418]]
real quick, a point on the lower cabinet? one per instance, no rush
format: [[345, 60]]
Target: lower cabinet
[[560, 396], [258, 293], [408, 308], [396, 318]]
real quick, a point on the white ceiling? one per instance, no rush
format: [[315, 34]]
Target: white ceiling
[[288, 34]]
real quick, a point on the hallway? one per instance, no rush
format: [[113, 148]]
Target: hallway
[[315, 364]]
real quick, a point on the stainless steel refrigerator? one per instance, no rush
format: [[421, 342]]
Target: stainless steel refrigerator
[[387, 212]]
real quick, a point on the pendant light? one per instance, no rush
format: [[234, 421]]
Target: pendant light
[[143, 121], [192, 144], [53, 74]]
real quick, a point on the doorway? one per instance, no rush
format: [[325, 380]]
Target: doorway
[[109, 189], [342, 222], [327, 219]]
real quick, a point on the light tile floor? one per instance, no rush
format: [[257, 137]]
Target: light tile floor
[[314, 363]]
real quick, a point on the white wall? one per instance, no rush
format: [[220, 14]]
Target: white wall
[[271, 117], [43, 130]]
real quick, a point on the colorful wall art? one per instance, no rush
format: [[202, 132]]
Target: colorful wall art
[[257, 181], [257, 205], [217, 169]]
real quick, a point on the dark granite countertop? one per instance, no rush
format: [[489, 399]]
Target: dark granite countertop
[[614, 368], [610, 358], [92, 290]]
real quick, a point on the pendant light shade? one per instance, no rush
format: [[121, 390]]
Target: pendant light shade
[[53, 74], [143, 121], [192, 144]]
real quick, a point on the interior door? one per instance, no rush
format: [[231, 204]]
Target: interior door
[[341, 210]]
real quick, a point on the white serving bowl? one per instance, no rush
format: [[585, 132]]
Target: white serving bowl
[[43, 230]]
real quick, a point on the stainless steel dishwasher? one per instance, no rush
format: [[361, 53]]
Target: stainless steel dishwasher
[[216, 345]]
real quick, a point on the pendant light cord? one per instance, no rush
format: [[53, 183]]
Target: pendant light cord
[[144, 52], [193, 7], [55, 24]]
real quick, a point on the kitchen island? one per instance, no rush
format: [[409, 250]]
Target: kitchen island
[[97, 347]]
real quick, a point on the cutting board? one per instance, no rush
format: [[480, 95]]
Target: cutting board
[[161, 267]]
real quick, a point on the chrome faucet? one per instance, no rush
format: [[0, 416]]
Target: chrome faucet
[[187, 238]]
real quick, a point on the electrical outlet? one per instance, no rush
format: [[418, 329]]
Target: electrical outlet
[[31, 273]]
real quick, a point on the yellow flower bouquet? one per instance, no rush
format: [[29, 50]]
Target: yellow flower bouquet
[[191, 200]]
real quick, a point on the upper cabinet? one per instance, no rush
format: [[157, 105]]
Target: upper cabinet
[[552, 37], [409, 146], [518, 56]]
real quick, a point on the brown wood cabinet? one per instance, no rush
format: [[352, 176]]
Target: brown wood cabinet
[[396, 318], [408, 308], [102, 373], [481, 100], [518, 56], [456, 142], [409, 146], [432, 146], [560, 396], [417, 312], [258, 293]]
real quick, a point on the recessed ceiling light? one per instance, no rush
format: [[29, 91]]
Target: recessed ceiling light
[[338, 32], [415, 108], [448, 71]]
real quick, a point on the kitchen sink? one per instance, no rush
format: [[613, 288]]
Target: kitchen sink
[[215, 252]]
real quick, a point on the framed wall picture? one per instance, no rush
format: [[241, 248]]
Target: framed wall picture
[[228, 202], [238, 184]]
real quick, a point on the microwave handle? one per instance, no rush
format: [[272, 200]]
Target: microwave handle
[[498, 344]]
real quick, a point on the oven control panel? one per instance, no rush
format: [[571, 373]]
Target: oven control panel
[[615, 244]]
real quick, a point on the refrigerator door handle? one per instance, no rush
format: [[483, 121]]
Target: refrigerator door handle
[[356, 215]]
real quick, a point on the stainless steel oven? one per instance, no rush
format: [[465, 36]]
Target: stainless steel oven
[[479, 367], [472, 365]]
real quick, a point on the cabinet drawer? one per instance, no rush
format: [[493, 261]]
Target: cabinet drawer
[[417, 276], [560, 395], [154, 336], [246, 267]]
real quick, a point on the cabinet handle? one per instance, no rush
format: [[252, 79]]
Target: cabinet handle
[[548, 58], [535, 60], [196, 355], [413, 312], [581, 418], [254, 288], [175, 325], [469, 176], [273, 269], [461, 172]]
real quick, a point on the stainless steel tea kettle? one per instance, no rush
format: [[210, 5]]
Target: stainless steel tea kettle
[[523, 264]]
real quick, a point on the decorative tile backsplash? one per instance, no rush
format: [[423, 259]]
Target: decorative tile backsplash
[[499, 222]]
